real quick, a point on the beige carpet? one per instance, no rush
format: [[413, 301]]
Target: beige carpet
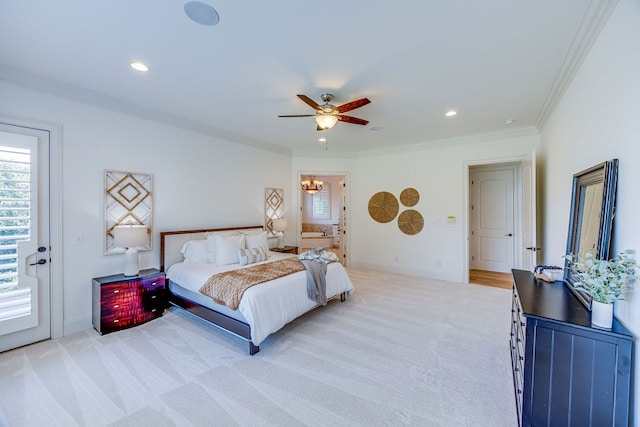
[[401, 351]]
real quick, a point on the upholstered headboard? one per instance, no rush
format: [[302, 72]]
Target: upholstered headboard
[[171, 242]]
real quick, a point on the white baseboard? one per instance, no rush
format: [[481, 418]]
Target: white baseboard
[[430, 274], [76, 325]]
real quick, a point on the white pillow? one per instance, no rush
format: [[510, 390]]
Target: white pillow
[[212, 241], [196, 251], [227, 248], [258, 241], [250, 256]]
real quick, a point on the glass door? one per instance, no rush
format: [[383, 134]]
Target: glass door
[[24, 231]]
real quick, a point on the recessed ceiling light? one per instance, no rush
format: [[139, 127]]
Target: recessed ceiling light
[[451, 113], [201, 13], [139, 66]]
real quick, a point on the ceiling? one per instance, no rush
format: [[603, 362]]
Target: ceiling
[[491, 60]]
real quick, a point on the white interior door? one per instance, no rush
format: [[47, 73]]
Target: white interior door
[[24, 236], [492, 218]]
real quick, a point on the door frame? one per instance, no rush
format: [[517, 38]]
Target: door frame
[[515, 169], [347, 206], [518, 214], [55, 215]]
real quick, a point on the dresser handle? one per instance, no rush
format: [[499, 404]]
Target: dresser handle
[[116, 291], [519, 391], [522, 324], [520, 357], [116, 306], [116, 320], [154, 297]]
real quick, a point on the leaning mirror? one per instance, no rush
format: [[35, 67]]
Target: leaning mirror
[[593, 199]]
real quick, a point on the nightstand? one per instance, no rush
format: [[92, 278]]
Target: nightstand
[[121, 301], [286, 250]]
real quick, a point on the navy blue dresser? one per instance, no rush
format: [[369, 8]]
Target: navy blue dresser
[[565, 371]]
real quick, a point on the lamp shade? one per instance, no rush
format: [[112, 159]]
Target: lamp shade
[[130, 236], [280, 224]]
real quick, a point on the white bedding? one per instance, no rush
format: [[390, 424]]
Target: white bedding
[[269, 306]]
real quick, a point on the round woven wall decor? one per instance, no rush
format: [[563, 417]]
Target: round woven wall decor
[[383, 207], [409, 197], [410, 222]]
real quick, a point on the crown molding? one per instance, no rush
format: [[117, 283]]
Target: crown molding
[[85, 96], [593, 22], [452, 142]]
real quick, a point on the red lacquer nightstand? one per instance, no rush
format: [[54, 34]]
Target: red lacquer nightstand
[[121, 301]]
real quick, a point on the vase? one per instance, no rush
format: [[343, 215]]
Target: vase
[[601, 314]]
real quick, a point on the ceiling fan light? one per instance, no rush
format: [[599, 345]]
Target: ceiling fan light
[[326, 121]]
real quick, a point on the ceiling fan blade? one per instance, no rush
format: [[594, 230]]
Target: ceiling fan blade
[[353, 120], [310, 102], [352, 105], [297, 115]]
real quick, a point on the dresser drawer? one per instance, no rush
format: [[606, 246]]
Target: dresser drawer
[[152, 283]]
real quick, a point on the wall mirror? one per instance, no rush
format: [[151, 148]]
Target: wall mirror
[[593, 199]]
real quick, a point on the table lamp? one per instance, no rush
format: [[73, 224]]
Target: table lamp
[[130, 237], [280, 225]]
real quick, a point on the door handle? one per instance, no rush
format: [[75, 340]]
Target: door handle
[[41, 261], [531, 248], [509, 234]]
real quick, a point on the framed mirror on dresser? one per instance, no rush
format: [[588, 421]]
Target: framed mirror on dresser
[[593, 198], [566, 371]]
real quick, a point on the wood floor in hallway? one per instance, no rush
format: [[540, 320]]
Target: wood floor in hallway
[[491, 278]]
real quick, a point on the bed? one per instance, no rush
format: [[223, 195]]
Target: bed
[[188, 262]]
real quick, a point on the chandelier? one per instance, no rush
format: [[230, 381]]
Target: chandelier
[[311, 186]]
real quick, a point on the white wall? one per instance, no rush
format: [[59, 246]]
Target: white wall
[[598, 119], [198, 182], [438, 173]]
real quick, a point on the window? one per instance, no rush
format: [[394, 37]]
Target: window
[[317, 206], [15, 191], [321, 205]]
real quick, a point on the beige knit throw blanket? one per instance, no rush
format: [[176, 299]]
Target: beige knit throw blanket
[[228, 287]]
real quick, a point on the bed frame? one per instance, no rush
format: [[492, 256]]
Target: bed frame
[[170, 244]]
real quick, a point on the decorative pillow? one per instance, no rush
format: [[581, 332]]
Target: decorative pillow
[[319, 255], [227, 248], [252, 255], [196, 251], [258, 241]]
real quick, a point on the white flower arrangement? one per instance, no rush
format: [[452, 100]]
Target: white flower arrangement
[[604, 280]]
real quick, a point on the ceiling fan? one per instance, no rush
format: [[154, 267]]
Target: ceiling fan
[[328, 115]]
